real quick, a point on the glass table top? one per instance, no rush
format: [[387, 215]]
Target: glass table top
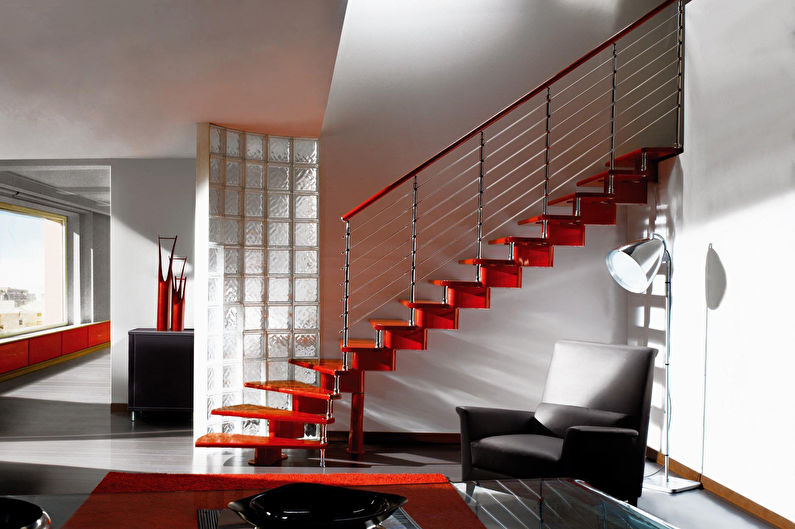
[[551, 503], [503, 504]]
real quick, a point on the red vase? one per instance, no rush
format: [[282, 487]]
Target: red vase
[[164, 284], [178, 305], [178, 296]]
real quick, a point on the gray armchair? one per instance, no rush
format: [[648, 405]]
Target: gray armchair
[[591, 423]]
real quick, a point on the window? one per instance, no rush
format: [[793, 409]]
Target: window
[[32, 270]]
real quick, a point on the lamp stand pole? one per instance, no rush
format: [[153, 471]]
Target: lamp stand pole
[[664, 482]]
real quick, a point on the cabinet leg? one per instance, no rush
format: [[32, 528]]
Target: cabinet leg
[[132, 416]]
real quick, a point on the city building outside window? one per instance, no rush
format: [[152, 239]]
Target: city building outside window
[[32, 270]]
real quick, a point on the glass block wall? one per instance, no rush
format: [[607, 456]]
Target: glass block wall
[[263, 305]]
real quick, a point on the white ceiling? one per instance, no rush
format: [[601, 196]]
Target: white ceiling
[[89, 182], [121, 78]]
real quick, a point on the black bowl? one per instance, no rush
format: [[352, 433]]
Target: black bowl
[[309, 505], [19, 514]]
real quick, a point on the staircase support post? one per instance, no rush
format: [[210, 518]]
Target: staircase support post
[[480, 202], [610, 176], [547, 144], [346, 296], [356, 434], [324, 440], [480, 194], [412, 288]]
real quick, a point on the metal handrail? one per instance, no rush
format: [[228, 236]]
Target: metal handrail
[[451, 165], [648, 32], [497, 134], [648, 126], [540, 88], [626, 79]]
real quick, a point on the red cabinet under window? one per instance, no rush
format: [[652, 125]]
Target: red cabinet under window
[[13, 355], [44, 347], [74, 340], [99, 333]]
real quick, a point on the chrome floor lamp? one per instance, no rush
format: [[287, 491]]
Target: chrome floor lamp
[[633, 266]]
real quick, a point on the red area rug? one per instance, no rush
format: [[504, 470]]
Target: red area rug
[[165, 501], [116, 482]]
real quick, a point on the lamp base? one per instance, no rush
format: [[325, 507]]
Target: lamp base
[[672, 485]]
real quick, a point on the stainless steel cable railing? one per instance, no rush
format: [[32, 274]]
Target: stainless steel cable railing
[[625, 93]]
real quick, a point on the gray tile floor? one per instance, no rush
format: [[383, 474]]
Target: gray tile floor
[[58, 439]]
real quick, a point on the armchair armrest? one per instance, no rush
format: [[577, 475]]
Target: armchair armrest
[[477, 423], [597, 439], [606, 457]]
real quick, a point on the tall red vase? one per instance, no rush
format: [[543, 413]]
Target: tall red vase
[[164, 286]]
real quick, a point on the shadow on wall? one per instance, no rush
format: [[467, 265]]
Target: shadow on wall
[[715, 278]]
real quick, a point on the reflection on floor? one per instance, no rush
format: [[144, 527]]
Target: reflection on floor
[[58, 439]]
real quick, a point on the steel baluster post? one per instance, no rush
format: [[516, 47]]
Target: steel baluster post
[[545, 222], [680, 42], [480, 201], [346, 295], [323, 440], [610, 176], [413, 248]]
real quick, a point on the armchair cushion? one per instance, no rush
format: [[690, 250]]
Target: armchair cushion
[[557, 418], [526, 455]]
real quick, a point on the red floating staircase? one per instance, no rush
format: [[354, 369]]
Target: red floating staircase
[[591, 200]]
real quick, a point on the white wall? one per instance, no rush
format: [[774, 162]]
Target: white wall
[[100, 265], [149, 197], [411, 77], [733, 188]]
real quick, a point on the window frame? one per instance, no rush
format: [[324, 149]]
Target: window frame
[[64, 221]]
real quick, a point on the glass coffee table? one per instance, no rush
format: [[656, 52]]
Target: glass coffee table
[[551, 503]]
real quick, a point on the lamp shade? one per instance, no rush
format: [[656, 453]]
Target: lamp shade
[[635, 264]]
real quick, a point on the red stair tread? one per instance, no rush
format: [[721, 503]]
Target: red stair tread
[[572, 196], [359, 344], [489, 262], [294, 387], [326, 366], [629, 156], [568, 219], [252, 411], [653, 154], [619, 175], [424, 304], [524, 241], [456, 283], [385, 324], [236, 440]]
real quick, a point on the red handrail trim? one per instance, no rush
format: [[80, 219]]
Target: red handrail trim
[[557, 77]]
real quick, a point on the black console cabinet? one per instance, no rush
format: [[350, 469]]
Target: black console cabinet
[[160, 375]]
